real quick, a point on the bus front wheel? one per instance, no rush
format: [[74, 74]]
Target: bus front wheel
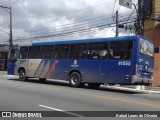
[[94, 85], [75, 79], [22, 75]]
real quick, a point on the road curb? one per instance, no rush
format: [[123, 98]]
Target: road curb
[[133, 90]]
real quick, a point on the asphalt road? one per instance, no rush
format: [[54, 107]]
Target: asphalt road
[[32, 95]]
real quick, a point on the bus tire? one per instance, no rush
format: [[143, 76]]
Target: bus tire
[[42, 80], [22, 75], [94, 85], [75, 80]]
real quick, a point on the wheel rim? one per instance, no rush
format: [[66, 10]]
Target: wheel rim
[[22, 74], [74, 79]]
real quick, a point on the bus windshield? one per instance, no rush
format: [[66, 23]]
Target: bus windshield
[[13, 55], [146, 47]]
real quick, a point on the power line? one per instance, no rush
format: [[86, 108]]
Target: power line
[[76, 25], [129, 17], [76, 13], [3, 2], [10, 3], [81, 30], [113, 8], [73, 26], [4, 31], [83, 25]]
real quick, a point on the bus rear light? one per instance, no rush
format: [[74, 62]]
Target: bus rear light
[[137, 70], [146, 67], [127, 77], [152, 75]]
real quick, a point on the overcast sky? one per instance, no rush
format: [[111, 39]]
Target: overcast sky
[[62, 19]]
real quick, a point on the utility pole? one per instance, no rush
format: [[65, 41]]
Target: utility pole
[[117, 24], [140, 18], [10, 26]]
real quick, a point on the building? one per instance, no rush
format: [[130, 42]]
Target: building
[[152, 31], [3, 57]]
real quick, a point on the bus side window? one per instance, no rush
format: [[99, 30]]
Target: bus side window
[[23, 52], [46, 51], [93, 51], [121, 49], [78, 51], [34, 52], [61, 51], [103, 53], [128, 48], [111, 54], [13, 55]]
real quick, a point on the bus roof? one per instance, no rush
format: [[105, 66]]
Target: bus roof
[[86, 40], [80, 41]]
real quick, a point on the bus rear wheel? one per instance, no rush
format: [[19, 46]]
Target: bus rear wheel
[[75, 79], [22, 75], [94, 85]]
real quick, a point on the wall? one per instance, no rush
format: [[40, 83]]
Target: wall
[[156, 73], [152, 31]]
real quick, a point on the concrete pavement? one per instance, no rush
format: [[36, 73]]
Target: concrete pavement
[[136, 88]]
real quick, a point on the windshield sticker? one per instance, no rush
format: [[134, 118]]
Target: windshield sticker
[[146, 47]]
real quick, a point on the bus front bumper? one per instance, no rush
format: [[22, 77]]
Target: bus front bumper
[[136, 80]]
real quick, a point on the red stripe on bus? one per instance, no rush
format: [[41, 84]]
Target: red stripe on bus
[[51, 70]]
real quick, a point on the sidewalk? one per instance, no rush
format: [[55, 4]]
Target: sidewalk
[[3, 72], [137, 88]]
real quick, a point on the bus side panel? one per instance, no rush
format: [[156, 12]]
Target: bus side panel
[[35, 68], [11, 67], [21, 63], [116, 71], [58, 69], [91, 70]]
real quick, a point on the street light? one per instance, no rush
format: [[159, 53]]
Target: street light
[[10, 26]]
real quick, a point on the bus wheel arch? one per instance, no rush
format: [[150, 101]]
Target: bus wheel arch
[[22, 74], [75, 79]]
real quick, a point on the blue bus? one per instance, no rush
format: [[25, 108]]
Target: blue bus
[[124, 60]]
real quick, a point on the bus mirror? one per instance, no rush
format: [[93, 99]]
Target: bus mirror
[[156, 50]]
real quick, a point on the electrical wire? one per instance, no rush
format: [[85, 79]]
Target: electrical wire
[[80, 27], [10, 3]]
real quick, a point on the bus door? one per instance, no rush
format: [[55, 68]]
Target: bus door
[[117, 67], [12, 59]]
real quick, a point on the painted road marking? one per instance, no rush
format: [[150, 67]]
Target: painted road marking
[[70, 113], [128, 101]]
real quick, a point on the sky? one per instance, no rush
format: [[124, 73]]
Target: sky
[[47, 20]]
